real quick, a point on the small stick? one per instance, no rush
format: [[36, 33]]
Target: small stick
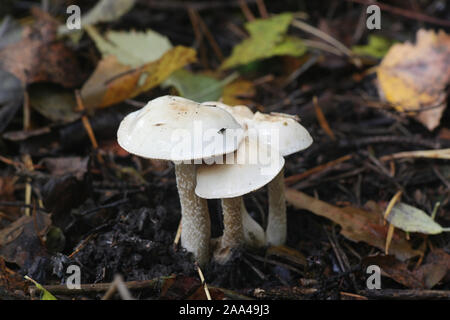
[[322, 120], [177, 236], [391, 204], [198, 35], [297, 177], [246, 11], [87, 125], [210, 37], [432, 154], [409, 294], [118, 285], [326, 37], [102, 287], [29, 165], [202, 279], [262, 9], [391, 229]]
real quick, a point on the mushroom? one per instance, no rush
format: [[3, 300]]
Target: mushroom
[[180, 130], [252, 166], [254, 234], [292, 137]]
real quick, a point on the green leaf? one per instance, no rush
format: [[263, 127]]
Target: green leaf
[[45, 294], [131, 48], [267, 38], [198, 87], [411, 219], [377, 47]]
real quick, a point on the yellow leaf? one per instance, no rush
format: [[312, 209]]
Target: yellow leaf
[[413, 77], [113, 82], [238, 92]]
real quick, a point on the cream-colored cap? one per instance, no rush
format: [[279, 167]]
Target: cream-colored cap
[[252, 166], [178, 129], [242, 114], [292, 136]]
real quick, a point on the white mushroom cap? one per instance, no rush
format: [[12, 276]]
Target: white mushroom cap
[[293, 137], [254, 166], [178, 129], [242, 114]]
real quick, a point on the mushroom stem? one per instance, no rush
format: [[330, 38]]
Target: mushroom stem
[[254, 234], [195, 221], [233, 233], [276, 226]]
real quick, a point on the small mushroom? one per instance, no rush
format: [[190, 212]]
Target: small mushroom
[[252, 166], [254, 234], [292, 137], [180, 130]]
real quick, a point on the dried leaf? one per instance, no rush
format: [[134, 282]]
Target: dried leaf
[[39, 56], [414, 77], [425, 277], [267, 38], [131, 48], [113, 82], [411, 219], [20, 241], [357, 224], [55, 103]]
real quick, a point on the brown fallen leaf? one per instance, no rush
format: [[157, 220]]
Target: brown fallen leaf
[[11, 280], [413, 78], [113, 82], [39, 56], [357, 224], [426, 276], [20, 242]]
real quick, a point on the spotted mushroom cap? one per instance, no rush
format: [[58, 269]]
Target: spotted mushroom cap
[[178, 129], [242, 114], [293, 137]]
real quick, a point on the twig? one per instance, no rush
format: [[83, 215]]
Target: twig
[[322, 120], [87, 125], [28, 165], [202, 279], [246, 11], [118, 285], [326, 37], [101, 287], [293, 179], [210, 37], [406, 13], [177, 236], [432, 154], [262, 9], [409, 294]]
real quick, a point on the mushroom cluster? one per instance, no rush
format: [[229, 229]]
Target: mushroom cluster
[[220, 152]]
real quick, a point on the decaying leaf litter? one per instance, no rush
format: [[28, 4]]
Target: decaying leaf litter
[[373, 101]]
